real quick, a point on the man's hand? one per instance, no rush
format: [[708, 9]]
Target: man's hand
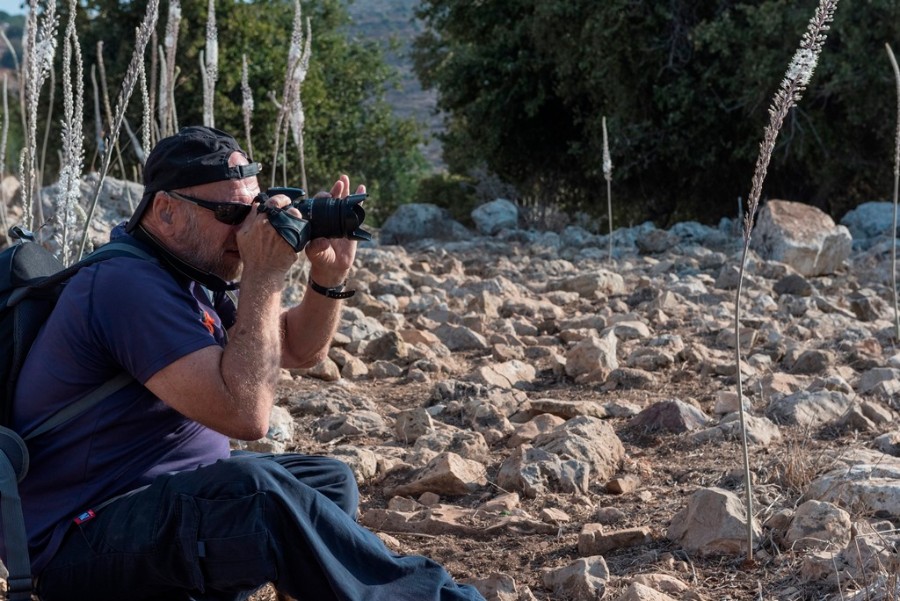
[[331, 258], [262, 248]]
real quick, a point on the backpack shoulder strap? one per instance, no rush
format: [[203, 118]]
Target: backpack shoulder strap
[[113, 385], [80, 406]]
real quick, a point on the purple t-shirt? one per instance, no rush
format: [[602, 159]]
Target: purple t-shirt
[[120, 314]]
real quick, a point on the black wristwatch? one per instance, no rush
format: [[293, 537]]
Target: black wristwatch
[[337, 292]]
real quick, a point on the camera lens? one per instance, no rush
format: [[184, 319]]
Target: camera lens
[[335, 217]]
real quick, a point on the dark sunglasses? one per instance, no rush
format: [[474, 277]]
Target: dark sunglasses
[[230, 213]]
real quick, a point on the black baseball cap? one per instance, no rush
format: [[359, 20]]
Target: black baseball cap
[[195, 155]]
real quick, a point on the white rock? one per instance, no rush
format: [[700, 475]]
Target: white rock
[[714, 522], [801, 236]]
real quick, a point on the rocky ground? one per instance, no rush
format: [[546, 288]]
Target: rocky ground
[[550, 423]]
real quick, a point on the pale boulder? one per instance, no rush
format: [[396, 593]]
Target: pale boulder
[[801, 236], [714, 522]]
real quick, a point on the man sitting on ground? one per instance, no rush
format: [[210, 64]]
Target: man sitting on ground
[[189, 519]]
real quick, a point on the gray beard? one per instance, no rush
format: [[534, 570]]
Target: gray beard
[[205, 257]]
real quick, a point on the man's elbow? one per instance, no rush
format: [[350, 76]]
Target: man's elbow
[[305, 361], [252, 430]]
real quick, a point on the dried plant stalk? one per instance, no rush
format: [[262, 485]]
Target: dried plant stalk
[[896, 185], [168, 125], [39, 48], [19, 73], [607, 174], [4, 207], [209, 65], [106, 108], [48, 124], [290, 115], [131, 76], [247, 103], [72, 134], [146, 114], [799, 72], [98, 119]]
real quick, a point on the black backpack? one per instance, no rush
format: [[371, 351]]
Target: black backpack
[[31, 280]]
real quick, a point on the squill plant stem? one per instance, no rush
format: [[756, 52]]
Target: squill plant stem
[[795, 80], [607, 174], [209, 66], [896, 185], [101, 67], [167, 118], [73, 138], [131, 77], [247, 103], [3, 200], [39, 48], [290, 114]]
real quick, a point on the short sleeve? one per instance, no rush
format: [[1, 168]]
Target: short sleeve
[[144, 317]]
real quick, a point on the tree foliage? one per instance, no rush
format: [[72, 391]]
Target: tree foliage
[[349, 127], [685, 85]]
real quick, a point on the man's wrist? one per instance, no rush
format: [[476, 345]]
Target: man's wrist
[[335, 292]]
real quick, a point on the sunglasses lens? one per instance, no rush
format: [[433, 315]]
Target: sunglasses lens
[[232, 214]]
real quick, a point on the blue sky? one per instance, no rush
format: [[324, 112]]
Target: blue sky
[[13, 7]]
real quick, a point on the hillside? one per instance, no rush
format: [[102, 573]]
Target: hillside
[[387, 21]]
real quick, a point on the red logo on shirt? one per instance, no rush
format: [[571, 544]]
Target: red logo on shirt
[[209, 322]]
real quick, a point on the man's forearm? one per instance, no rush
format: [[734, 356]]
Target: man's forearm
[[308, 329], [251, 359]]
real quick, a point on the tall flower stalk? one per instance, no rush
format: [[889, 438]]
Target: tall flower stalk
[[146, 113], [131, 76], [290, 114], [72, 134], [209, 65], [896, 186], [247, 103], [168, 121], [3, 135], [39, 48], [799, 72], [607, 174]]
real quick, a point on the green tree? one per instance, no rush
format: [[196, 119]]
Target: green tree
[[686, 86], [349, 127]]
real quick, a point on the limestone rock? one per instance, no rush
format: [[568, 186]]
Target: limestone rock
[[582, 580], [801, 236], [446, 474], [592, 359], [491, 217], [586, 439], [592, 540], [869, 220], [673, 416], [414, 222], [355, 423], [714, 522], [818, 525], [640, 592], [508, 374], [409, 425], [448, 519], [809, 408]]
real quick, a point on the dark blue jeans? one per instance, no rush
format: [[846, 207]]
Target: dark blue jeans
[[222, 531]]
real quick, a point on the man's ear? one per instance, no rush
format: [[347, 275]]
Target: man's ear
[[161, 212]]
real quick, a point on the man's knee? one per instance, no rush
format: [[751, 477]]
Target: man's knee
[[331, 477], [346, 491]]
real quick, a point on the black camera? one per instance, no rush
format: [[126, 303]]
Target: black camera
[[321, 217]]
